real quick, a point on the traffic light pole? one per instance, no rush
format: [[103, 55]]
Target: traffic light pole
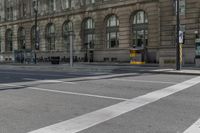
[[178, 64]]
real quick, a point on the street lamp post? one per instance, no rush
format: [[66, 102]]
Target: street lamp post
[[72, 36], [35, 7], [178, 64]]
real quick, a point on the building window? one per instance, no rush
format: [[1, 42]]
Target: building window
[[9, 41], [0, 43], [35, 46], [52, 5], [21, 38], [182, 7], [112, 29], [139, 29], [66, 4], [22, 10], [89, 32], [87, 2], [9, 13], [50, 36], [67, 28]]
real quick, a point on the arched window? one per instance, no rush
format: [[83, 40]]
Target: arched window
[[50, 36], [112, 28], [67, 28], [9, 40], [89, 32], [139, 29], [21, 38], [34, 39]]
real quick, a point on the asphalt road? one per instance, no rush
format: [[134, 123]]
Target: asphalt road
[[63, 102]]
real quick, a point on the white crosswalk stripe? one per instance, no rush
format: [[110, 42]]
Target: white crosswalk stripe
[[91, 119], [195, 128]]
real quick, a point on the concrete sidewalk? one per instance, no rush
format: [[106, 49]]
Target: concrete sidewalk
[[102, 68]]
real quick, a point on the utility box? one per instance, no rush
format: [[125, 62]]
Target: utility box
[[137, 56]]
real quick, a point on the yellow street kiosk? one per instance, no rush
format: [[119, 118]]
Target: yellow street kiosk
[[137, 56]]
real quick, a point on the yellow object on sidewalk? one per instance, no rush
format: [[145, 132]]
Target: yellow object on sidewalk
[[137, 56]]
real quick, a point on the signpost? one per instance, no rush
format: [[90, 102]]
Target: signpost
[[197, 48], [35, 7], [72, 36], [181, 41], [181, 37], [178, 64], [197, 56]]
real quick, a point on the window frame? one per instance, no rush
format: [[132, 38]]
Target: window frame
[[8, 40], [51, 37], [112, 29], [137, 27], [33, 47], [89, 32], [21, 38], [66, 33]]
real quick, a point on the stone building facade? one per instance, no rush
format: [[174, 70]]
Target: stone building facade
[[104, 29]]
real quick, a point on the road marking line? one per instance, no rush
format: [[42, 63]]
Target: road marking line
[[100, 77], [79, 94], [48, 81], [160, 70], [55, 81], [91, 119], [195, 128], [66, 92], [30, 79], [81, 78], [38, 74], [143, 81]]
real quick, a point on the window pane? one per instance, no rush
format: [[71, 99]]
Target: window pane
[[89, 35], [67, 28], [21, 38], [9, 42], [140, 30], [51, 37], [112, 32], [112, 21]]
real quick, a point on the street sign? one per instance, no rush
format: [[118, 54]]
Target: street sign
[[181, 37], [197, 41]]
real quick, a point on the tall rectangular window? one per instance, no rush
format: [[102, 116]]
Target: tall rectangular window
[[52, 5], [66, 4], [182, 7], [87, 2], [0, 44], [9, 13]]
